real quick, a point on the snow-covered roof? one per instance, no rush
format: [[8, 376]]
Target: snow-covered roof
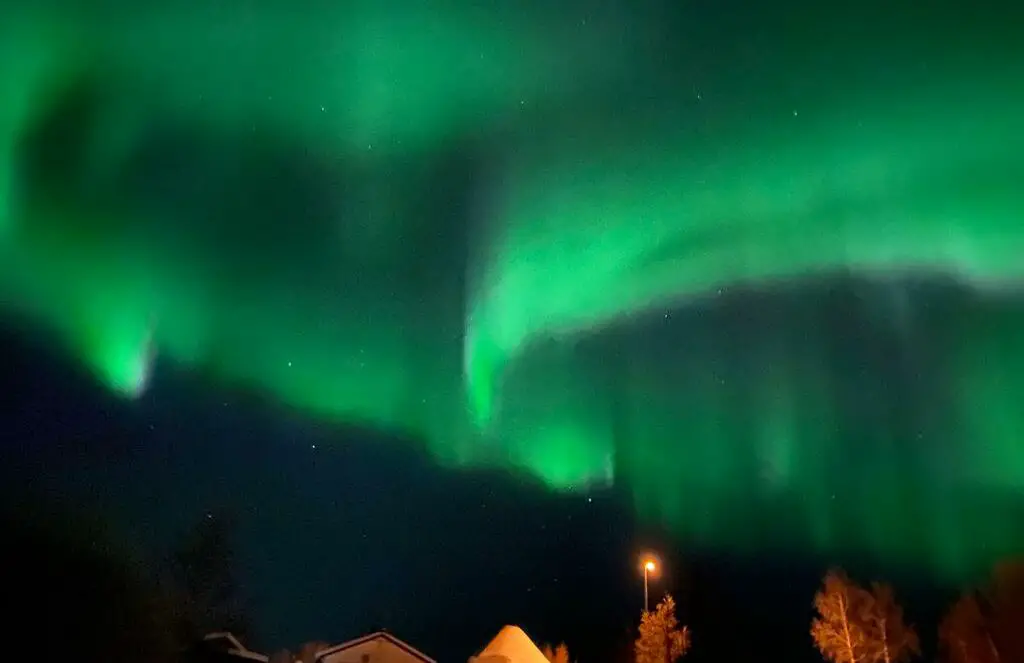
[[514, 646], [379, 635], [235, 648]]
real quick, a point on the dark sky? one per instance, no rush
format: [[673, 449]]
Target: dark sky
[[343, 531], [750, 271]]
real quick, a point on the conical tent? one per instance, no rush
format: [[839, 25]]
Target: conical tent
[[511, 645]]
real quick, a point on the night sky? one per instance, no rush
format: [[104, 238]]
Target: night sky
[[458, 307]]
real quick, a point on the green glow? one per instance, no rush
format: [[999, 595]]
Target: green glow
[[587, 241], [557, 240]]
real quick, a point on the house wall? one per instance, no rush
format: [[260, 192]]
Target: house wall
[[373, 651]]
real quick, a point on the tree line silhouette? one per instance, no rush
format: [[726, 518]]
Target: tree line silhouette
[[104, 606], [100, 600], [865, 624], [857, 624]]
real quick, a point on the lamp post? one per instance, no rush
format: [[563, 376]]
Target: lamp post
[[649, 568]]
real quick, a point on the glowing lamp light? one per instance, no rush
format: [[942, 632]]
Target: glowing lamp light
[[649, 566]]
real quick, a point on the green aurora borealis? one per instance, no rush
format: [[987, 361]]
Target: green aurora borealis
[[760, 263]]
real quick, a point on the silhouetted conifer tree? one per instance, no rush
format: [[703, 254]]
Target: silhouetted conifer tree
[[205, 583]]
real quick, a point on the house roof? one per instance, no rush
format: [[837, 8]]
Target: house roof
[[379, 635], [513, 645], [234, 647]]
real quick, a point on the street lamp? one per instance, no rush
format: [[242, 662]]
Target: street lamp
[[649, 567]]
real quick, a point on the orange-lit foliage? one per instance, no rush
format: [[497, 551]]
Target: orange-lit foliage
[[889, 639], [841, 629], [307, 652], [987, 626], [661, 639], [559, 654]]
